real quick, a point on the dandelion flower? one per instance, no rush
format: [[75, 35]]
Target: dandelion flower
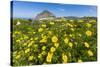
[[88, 33], [54, 39], [90, 53]]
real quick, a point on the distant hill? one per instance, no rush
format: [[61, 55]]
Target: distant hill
[[45, 15]]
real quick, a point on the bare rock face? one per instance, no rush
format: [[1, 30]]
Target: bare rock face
[[45, 15]]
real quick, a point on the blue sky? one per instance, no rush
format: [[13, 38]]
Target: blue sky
[[23, 9]]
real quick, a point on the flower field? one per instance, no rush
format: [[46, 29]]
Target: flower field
[[53, 42]]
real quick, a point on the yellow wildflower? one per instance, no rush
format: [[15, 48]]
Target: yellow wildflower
[[49, 57], [52, 49], [40, 29], [31, 38], [71, 20], [54, 39], [40, 56], [64, 58], [88, 25], [43, 53], [43, 25], [43, 40], [52, 23], [18, 40], [72, 29], [49, 32], [79, 61], [18, 56], [70, 44], [44, 47], [66, 40], [90, 53], [86, 44], [27, 50], [80, 21], [56, 45], [30, 44], [30, 58], [88, 33], [69, 54], [34, 32], [26, 37], [24, 44], [36, 38]]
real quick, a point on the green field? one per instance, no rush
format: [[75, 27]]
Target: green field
[[53, 42]]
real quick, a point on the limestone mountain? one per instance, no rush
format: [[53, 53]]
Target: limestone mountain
[[45, 15]]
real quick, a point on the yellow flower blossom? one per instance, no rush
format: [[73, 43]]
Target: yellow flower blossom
[[70, 44], [80, 21], [30, 44], [43, 40], [52, 49], [18, 40], [88, 33], [26, 37], [72, 29], [49, 32], [56, 45], [71, 20], [54, 39], [66, 40], [18, 56], [36, 38], [64, 58], [86, 44], [44, 47], [88, 25], [49, 57], [40, 29], [43, 25], [52, 23], [30, 58], [27, 50], [24, 44], [90, 53], [79, 61], [31, 38], [43, 53], [34, 32]]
